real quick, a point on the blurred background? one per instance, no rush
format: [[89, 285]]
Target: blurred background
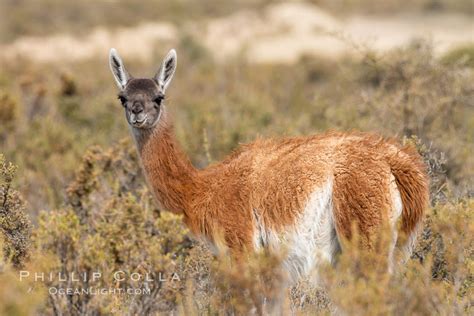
[[246, 69]]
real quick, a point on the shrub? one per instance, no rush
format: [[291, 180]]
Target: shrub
[[18, 297], [438, 281], [15, 245], [463, 55], [109, 224], [14, 223]]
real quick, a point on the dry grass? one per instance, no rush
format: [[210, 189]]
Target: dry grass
[[109, 224], [395, 6]]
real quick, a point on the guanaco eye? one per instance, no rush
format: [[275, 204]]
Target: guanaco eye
[[122, 99], [159, 99]]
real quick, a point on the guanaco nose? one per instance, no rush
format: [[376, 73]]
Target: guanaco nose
[[137, 108]]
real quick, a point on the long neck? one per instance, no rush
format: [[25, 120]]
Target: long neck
[[168, 170]]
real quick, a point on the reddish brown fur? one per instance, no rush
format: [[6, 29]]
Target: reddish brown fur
[[362, 177], [412, 182], [275, 177]]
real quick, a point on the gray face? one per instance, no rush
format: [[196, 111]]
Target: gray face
[[142, 101], [142, 98]]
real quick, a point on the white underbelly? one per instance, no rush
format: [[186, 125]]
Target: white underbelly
[[310, 241]]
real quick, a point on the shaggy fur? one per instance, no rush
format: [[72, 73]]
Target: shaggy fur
[[274, 178]]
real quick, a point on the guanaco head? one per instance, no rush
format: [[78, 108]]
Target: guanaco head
[[142, 98]]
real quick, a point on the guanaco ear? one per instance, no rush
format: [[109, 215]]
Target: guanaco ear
[[167, 69], [118, 69]]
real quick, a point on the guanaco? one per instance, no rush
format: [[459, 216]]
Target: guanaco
[[304, 194]]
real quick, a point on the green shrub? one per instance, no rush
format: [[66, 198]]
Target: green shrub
[[17, 298], [463, 55], [109, 224], [14, 222]]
